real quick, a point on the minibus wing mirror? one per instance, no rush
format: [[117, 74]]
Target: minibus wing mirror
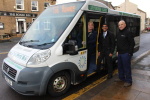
[[70, 47]]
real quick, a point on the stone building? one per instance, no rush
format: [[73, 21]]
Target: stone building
[[17, 15], [130, 7], [147, 21], [107, 4]]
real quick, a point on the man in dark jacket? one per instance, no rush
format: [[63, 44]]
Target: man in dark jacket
[[106, 49], [125, 46]]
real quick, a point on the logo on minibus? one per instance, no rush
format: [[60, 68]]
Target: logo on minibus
[[18, 55], [96, 8], [126, 14], [82, 61]]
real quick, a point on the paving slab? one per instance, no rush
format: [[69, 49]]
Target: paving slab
[[126, 94], [110, 90], [143, 96]]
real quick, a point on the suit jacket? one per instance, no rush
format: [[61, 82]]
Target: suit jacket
[[107, 43]]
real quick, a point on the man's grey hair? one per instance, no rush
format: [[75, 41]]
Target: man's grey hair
[[122, 21]]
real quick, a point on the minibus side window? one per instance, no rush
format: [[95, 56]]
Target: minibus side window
[[133, 24], [78, 33], [113, 23]]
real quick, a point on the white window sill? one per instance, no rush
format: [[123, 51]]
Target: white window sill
[[20, 9], [34, 10]]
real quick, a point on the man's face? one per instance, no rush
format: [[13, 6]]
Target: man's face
[[121, 25], [105, 27]]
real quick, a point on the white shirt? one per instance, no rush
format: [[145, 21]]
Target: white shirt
[[104, 34]]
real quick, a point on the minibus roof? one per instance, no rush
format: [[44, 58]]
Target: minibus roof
[[96, 6]]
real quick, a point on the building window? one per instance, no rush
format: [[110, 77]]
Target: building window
[[34, 5], [46, 5], [19, 4]]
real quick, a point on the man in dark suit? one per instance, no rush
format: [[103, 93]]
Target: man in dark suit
[[105, 49]]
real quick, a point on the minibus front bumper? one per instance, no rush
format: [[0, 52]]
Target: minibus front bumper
[[28, 81]]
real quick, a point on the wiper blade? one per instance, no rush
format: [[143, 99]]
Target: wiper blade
[[29, 41], [45, 43]]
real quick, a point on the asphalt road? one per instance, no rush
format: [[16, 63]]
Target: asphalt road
[[6, 93]]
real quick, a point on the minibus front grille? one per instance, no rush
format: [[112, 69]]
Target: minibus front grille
[[9, 70]]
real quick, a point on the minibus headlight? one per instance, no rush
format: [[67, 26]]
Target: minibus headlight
[[39, 57]]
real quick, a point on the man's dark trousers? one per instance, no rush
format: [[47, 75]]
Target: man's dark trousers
[[108, 59], [124, 67]]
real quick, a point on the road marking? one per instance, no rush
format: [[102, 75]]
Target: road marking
[[4, 53], [87, 88]]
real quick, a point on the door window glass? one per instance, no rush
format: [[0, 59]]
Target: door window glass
[[133, 24], [79, 33], [113, 23]]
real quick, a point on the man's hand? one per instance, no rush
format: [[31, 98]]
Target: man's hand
[[83, 42], [110, 55], [99, 54], [117, 54]]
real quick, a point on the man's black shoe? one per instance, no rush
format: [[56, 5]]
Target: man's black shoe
[[109, 76]]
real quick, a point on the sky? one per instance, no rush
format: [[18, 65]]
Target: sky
[[142, 4]]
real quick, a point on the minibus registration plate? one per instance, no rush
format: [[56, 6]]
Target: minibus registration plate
[[8, 81]]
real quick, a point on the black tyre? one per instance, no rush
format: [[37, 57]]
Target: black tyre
[[59, 84]]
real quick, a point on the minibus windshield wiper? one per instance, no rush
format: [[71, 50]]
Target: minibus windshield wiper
[[29, 41], [45, 43]]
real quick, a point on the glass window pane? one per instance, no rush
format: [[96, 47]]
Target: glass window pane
[[113, 23], [19, 1], [78, 34], [34, 3], [49, 26], [19, 7], [34, 8], [46, 4]]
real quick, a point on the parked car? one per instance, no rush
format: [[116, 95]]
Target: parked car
[[148, 28]]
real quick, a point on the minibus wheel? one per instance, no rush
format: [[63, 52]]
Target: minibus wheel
[[59, 83]]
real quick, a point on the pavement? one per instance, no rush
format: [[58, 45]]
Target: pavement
[[110, 90]]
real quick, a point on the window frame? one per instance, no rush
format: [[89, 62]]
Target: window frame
[[44, 5], [20, 4], [34, 6]]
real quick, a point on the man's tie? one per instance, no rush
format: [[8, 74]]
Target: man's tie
[[104, 35]]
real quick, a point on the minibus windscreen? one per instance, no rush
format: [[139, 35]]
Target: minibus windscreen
[[51, 23]]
